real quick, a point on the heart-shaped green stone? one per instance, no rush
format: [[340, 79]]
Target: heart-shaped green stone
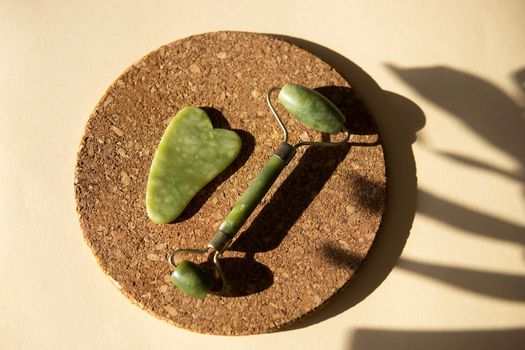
[[190, 154]]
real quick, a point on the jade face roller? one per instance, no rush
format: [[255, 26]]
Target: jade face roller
[[314, 111]]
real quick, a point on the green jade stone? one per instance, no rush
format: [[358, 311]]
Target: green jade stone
[[253, 195], [311, 108], [190, 154], [191, 279]]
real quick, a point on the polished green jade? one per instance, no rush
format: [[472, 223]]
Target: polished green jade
[[191, 279], [311, 108], [190, 154], [253, 195]]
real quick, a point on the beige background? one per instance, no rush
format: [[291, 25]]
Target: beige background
[[446, 72]]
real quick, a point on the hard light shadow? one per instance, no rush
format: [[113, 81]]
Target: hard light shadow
[[245, 276], [290, 200], [339, 256], [469, 220], [398, 120], [519, 78], [490, 113], [480, 165], [494, 284], [489, 339], [476, 102]]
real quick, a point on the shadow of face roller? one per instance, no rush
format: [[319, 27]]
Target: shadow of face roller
[[245, 276], [315, 168]]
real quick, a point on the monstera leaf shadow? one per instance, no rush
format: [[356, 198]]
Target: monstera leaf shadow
[[497, 118], [479, 105], [489, 112]]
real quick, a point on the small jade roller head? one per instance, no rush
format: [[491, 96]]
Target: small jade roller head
[[196, 280], [191, 279]]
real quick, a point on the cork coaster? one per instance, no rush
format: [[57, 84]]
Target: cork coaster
[[302, 244]]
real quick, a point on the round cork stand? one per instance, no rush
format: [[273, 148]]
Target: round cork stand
[[305, 240]]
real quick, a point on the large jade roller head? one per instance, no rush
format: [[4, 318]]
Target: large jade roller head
[[314, 111], [311, 108]]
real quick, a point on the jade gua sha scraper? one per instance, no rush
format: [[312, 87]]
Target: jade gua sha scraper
[[314, 111], [190, 154]]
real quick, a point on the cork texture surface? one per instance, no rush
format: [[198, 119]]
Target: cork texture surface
[[304, 242]]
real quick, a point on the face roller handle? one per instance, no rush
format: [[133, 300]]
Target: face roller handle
[[311, 109], [251, 197]]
